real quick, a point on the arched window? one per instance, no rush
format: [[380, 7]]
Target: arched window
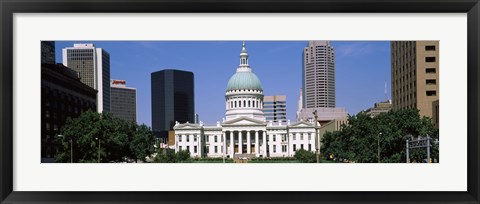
[[231, 104], [235, 104], [249, 103], [244, 103]]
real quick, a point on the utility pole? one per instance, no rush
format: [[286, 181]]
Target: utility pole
[[317, 143]]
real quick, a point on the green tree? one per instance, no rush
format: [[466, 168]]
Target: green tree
[[182, 156], [364, 137], [142, 143], [169, 156], [113, 139], [165, 156], [305, 156], [82, 131]]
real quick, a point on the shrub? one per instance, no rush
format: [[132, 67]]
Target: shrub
[[305, 156]]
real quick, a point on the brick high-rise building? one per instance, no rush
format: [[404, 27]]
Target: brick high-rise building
[[415, 75]]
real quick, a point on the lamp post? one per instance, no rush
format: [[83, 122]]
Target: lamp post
[[378, 147], [317, 143], [71, 148], [99, 141]]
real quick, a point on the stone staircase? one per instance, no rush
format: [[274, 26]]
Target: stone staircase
[[243, 158]]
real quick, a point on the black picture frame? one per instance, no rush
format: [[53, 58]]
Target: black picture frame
[[10, 7]]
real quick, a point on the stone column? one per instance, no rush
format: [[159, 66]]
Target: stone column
[[240, 142], [290, 145], [248, 142], [264, 146], [199, 144], [224, 144], [231, 145], [256, 144]]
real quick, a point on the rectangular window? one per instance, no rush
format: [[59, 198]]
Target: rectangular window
[[293, 137], [309, 147], [274, 138], [294, 147], [431, 93], [188, 138], [188, 148], [431, 81], [216, 149], [207, 150], [180, 148], [430, 48], [180, 138], [194, 138], [284, 148], [194, 149], [274, 148], [215, 138], [301, 137], [301, 146], [430, 70], [430, 59]]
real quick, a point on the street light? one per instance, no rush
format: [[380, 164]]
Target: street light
[[99, 141], [71, 148], [317, 143], [378, 147]]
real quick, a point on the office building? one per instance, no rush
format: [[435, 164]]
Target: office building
[[245, 131], [48, 52], [324, 115], [172, 93], [123, 101], [380, 107], [318, 75], [415, 75], [63, 96], [93, 65], [275, 108]]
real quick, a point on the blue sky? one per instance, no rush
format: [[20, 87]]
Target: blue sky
[[362, 68]]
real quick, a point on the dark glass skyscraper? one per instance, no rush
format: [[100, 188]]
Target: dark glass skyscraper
[[172, 99]]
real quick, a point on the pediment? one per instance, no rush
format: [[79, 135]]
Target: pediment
[[186, 126], [244, 121], [302, 124]]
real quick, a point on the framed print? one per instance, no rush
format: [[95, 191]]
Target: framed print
[[256, 102]]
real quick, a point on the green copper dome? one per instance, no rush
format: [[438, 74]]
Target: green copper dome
[[244, 80]]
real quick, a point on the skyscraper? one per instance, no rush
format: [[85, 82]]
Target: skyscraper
[[415, 75], [123, 101], [318, 75], [275, 108], [93, 66], [172, 99]]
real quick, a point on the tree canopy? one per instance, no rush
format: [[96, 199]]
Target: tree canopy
[[93, 134], [364, 136]]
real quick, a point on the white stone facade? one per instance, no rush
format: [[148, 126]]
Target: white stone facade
[[245, 137]]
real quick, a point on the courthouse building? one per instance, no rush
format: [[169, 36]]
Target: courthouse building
[[245, 132]]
